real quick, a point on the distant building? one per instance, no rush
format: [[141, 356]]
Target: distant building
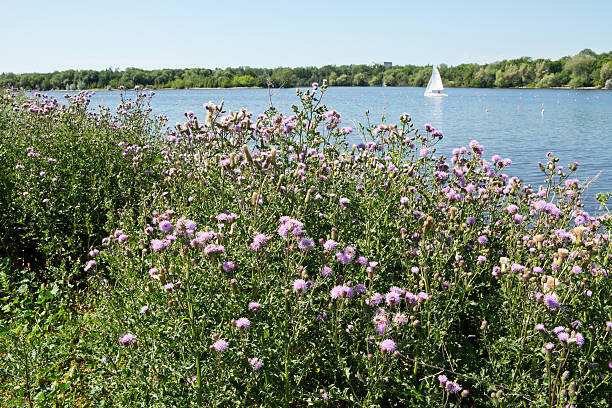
[[386, 64]]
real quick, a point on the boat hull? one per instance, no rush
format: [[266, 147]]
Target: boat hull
[[431, 94]]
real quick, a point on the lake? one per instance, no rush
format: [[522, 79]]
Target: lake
[[521, 124]]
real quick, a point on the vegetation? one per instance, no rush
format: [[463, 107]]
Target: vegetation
[[586, 69], [263, 261]]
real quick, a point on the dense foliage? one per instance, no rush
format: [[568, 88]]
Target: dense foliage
[[586, 69], [263, 261]]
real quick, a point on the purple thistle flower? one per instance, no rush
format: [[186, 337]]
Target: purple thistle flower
[[330, 245], [299, 285], [256, 363], [375, 299], [362, 260], [563, 336], [243, 323], [258, 241], [306, 244], [360, 288], [144, 309], [392, 298], [213, 249], [326, 271], [254, 306], [483, 240], [471, 220], [166, 226], [126, 339], [388, 346], [168, 286], [516, 267], [551, 301], [442, 379], [540, 327], [89, 265], [453, 387], [157, 245], [219, 346], [579, 339], [344, 201], [404, 200], [349, 252], [228, 266], [558, 329]]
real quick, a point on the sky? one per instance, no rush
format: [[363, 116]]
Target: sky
[[47, 36]]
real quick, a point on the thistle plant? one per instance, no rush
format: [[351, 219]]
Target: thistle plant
[[266, 260]]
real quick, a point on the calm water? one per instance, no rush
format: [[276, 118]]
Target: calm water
[[522, 124]]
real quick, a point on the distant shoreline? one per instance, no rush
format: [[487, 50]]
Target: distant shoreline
[[580, 88]]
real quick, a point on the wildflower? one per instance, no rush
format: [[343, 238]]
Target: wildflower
[[144, 309], [375, 299], [558, 329], [228, 266], [299, 285], [400, 319], [360, 288], [349, 252], [551, 300], [89, 265], [344, 201], [362, 260], [388, 346], [93, 253], [442, 379], [422, 296], [256, 363], [392, 298], [168, 286], [471, 220], [330, 245], [576, 269], [516, 267], [122, 238], [540, 327], [126, 339], [153, 271], [341, 291], [579, 339], [166, 226], [326, 271], [258, 241], [483, 240], [212, 249], [254, 306], [305, 244], [404, 200], [481, 259], [453, 387], [219, 346], [243, 323], [157, 245], [563, 336]]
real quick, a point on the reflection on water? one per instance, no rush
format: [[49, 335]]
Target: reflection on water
[[576, 125]]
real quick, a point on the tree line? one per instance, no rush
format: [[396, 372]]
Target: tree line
[[586, 69]]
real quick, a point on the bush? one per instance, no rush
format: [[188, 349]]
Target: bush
[[264, 261]]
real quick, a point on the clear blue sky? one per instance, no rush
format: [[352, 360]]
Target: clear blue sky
[[44, 36]]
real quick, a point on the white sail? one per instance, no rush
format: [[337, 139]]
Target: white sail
[[435, 82]]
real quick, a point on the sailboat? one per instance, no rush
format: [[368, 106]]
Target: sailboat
[[434, 86]]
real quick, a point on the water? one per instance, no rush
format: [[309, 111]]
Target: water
[[521, 124]]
